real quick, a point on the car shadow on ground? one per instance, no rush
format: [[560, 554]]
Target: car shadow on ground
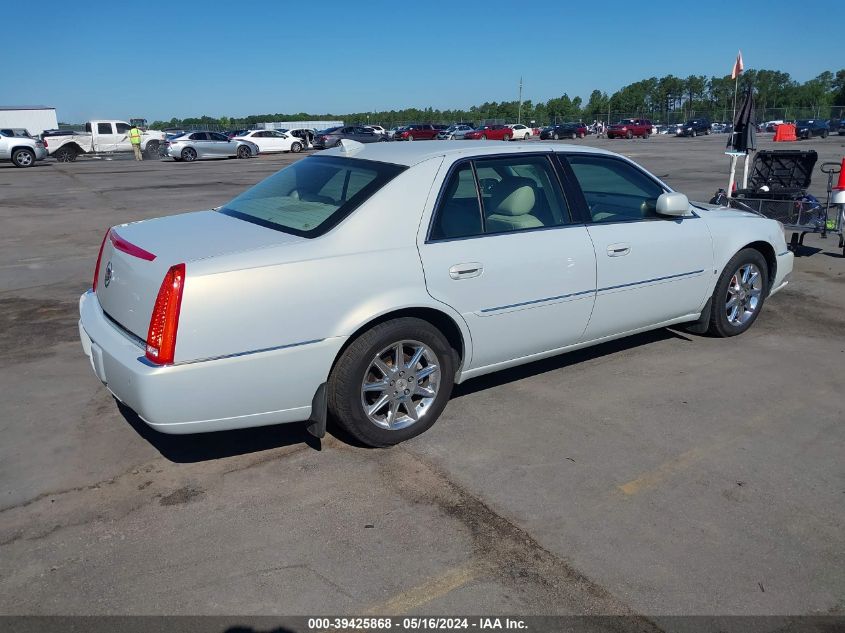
[[200, 447], [562, 361]]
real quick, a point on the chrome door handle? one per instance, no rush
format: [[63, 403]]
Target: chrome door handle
[[466, 271], [618, 250]]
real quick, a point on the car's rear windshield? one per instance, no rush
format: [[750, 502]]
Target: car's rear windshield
[[311, 196]]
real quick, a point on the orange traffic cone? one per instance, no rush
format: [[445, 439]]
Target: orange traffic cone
[[841, 183]]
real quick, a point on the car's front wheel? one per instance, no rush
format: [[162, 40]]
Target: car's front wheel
[[244, 152], [739, 294], [392, 382]]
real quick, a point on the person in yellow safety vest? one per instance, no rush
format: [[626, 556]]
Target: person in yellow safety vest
[[135, 139]]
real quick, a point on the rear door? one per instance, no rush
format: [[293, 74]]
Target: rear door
[[105, 137], [5, 146], [650, 269], [501, 248]]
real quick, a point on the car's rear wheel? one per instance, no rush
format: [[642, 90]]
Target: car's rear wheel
[[189, 154], [410, 137], [693, 133], [527, 136], [23, 158], [556, 136], [582, 135], [824, 133], [65, 155], [392, 382], [296, 147], [739, 294], [645, 136], [483, 137], [573, 136], [707, 132], [506, 138], [244, 152]]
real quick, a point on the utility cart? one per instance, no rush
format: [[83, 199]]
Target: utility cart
[[777, 189]]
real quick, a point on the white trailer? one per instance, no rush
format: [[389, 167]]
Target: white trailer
[[35, 119]]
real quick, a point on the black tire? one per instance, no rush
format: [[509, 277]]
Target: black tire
[[719, 323], [573, 136], [23, 158], [296, 147], [152, 151], [189, 154], [824, 133], [706, 132], [556, 136], [629, 135], [244, 152], [693, 134], [645, 136], [65, 155], [339, 143], [506, 138], [351, 369], [483, 137], [582, 135]]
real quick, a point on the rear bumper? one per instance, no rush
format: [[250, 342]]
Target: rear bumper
[[783, 274], [255, 389]]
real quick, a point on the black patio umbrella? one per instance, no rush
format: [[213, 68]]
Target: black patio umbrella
[[742, 138]]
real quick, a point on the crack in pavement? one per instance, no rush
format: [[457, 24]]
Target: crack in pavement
[[503, 550]]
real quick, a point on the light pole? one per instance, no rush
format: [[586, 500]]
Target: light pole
[[519, 114]]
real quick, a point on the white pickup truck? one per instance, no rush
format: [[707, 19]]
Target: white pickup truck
[[102, 137]]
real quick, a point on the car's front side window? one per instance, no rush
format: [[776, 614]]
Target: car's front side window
[[615, 191], [517, 193]]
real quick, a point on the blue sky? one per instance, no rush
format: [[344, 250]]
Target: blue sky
[[181, 58]]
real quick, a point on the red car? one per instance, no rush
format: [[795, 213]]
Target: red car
[[629, 128], [417, 132], [490, 132]]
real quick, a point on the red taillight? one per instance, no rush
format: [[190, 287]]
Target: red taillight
[[164, 322], [99, 257], [44, 140]]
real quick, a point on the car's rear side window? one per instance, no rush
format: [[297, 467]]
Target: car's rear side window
[[517, 193], [311, 196]]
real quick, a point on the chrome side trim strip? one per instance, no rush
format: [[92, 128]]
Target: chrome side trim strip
[[586, 292], [535, 301], [146, 361], [648, 281]]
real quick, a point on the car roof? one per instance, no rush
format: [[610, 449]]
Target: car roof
[[409, 154]]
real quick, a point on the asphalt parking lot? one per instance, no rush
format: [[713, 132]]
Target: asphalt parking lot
[[662, 474]]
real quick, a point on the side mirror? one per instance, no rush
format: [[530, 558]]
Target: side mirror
[[673, 204]]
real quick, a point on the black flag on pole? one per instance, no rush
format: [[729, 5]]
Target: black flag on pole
[[742, 139]]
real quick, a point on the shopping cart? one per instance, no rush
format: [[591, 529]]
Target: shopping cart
[[778, 190]]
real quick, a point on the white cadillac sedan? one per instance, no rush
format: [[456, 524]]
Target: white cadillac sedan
[[367, 280]]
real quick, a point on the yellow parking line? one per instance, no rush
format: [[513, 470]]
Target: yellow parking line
[[426, 592], [651, 479]]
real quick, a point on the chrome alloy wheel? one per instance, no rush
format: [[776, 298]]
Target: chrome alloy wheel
[[744, 292], [400, 385]]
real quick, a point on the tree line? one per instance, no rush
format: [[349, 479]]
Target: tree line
[[666, 99]]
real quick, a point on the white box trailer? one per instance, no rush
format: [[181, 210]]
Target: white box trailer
[[36, 119]]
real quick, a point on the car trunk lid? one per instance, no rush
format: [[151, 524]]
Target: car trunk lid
[[136, 257]]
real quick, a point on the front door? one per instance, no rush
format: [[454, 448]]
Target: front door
[[650, 269], [502, 250], [122, 141]]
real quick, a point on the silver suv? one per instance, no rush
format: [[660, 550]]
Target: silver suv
[[23, 150]]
